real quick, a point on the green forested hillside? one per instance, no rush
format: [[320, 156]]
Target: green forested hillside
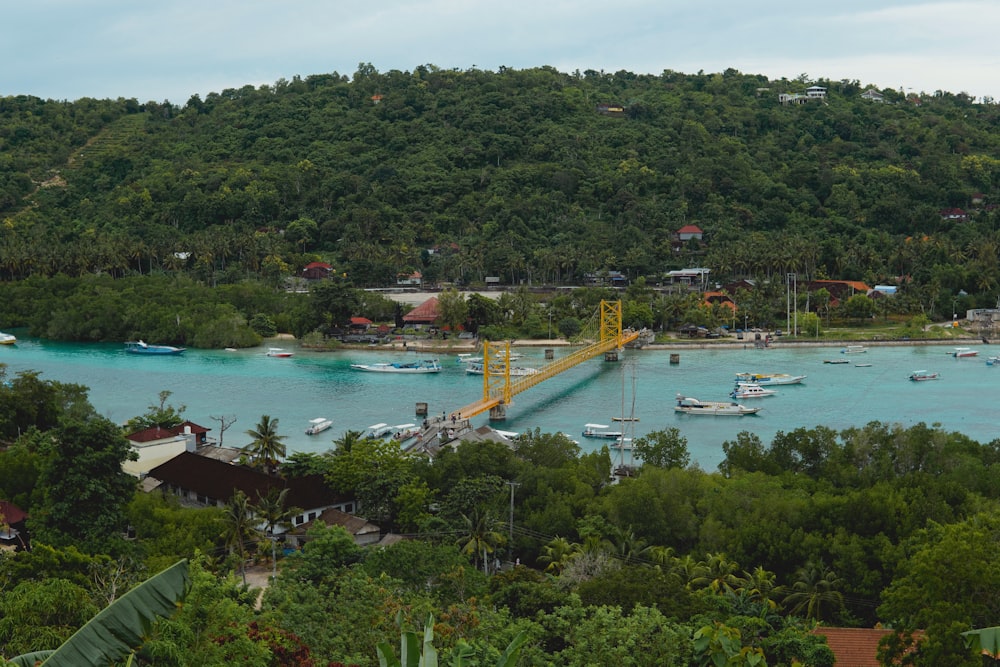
[[511, 173]]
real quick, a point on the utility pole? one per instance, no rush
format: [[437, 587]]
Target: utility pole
[[510, 523]]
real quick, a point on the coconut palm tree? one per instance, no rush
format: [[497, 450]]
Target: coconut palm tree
[[267, 448], [558, 553], [480, 536], [815, 592], [239, 528]]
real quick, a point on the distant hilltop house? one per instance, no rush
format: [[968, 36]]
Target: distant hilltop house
[[873, 95], [697, 277], [813, 93], [608, 109], [609, 278], [955, 214], [317, 271], [414, 278], [685, 234]]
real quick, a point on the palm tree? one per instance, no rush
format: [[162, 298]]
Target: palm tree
[[558, 553], [815, 592], [272, 512], [481, 536], [239, 528], [267, 448]]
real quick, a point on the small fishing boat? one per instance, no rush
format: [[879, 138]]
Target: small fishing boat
[[622, 445], [411, 367], [921, 376], [862, 365], [693, 406], [836, 361], [770, 378], [598, 431], [751, 390], [992, 361], [318, 425], [141, 347], [624, 419], [964, 352], [854, 349], [7, 339], [515, 371]]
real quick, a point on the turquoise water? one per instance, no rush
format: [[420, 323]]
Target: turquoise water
[[247, 384]]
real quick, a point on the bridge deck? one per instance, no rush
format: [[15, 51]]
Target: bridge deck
[[496, 396]]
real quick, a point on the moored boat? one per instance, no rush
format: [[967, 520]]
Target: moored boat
[[141, 347], [279, 352], [992, 361], [598, 431], [853, 349], [964, 352], [515, 371], [770, 378], [422, 366], [751, 390], [836, 361], [7, 339], [920, 376], [318, 425], [693, 406]]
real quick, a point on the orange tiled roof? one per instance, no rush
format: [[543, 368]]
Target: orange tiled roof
[[855, 647]]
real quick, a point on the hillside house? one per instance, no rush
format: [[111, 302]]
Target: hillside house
[[157, 445], [363, 531], [816, 92], [873, 95], [690, 277], [200, 480], [840, 290], [317, 271], [856, 647], [606, 109], [426, 314], [953, 214], [410, 279]]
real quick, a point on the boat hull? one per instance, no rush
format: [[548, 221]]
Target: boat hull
[[693, 406], [406, 369], [152, 350], [770, 378]]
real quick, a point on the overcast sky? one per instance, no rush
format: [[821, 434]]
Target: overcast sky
[[172, 49]]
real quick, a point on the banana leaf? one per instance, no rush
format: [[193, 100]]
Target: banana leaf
[[119, 629]]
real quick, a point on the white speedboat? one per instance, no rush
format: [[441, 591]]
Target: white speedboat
[[422, 366], [920, 376], [379, 430], [854, 349], [279, 352], [751, 390], [7, 339], [600, 431], [318, 425], [515, 371], [693, 406], [769, 378], [964, 352]]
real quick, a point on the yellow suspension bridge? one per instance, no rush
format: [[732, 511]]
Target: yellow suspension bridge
[[498, 386]]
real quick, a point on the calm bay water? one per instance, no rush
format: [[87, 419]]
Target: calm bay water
[[247, 384]]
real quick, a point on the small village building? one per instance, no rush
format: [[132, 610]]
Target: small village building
[[610, 109], [953, 214], [426, 314], [816, 92], [697, 277], [360, 324], [317, 271], [410, 279], [363, 531], [199, 480], [873, 95], [156, 445], [688, 232], [856, 647]]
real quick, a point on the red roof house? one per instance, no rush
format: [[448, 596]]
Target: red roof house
[[425, 313], [317, 271], [688, 232], [855, 647]]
